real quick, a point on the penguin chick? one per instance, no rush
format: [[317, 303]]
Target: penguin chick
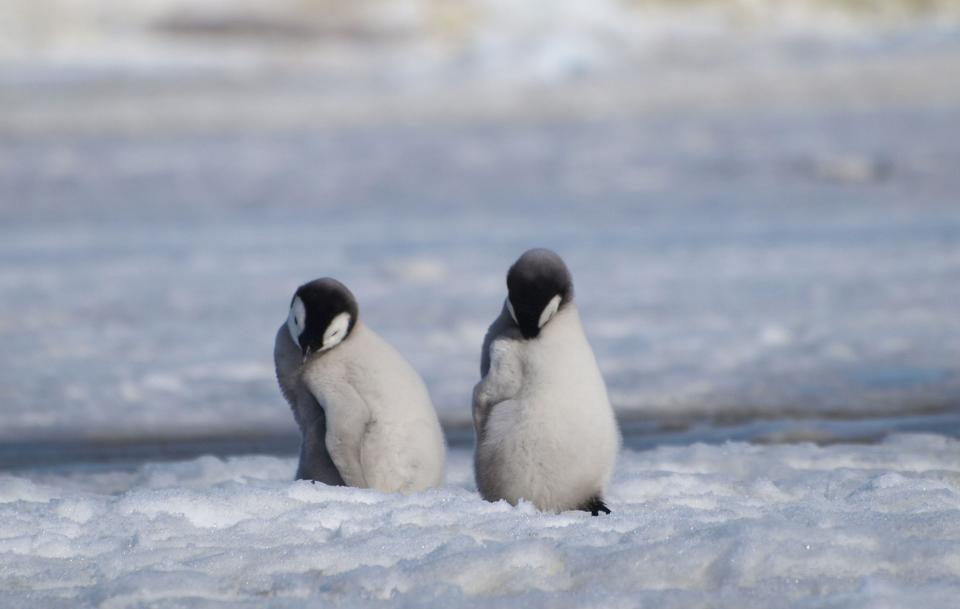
[[545, 431], [364, 413]]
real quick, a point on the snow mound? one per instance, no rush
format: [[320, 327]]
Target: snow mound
[[722, 526]]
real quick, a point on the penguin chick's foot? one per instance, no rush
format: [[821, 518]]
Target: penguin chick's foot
[[594, 505]]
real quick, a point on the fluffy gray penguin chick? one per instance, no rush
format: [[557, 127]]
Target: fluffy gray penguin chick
[[364, 413], [545, 431]]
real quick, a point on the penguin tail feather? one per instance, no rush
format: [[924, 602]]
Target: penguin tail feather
[[594, 505]]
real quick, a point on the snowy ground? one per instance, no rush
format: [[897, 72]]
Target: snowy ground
[[802, 264], [735, 526], [759, 206]]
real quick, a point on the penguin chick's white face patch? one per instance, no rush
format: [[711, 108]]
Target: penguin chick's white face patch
[[336, 331], [513, 313], [549, 311], [297, 320]]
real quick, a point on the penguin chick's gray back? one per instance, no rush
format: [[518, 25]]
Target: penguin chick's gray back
[[315, 462]]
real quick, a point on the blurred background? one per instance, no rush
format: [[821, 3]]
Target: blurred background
[[758, 201]]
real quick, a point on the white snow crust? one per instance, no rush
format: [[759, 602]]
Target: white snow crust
[[734, 525]]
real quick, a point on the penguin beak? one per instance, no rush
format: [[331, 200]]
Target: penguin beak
[[526, 321], [529, 332], [528, 326], [531, 323]]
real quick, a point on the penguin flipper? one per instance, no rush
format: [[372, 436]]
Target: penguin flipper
[[287, 360], [501, 382], [347, 422], [502, 327], [594, 505], [315, 461]]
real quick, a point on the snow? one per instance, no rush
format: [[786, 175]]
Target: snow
[[758, 206], [733, 525], [719, 271], [757, 201]]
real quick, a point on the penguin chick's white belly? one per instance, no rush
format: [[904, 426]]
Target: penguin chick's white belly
[[381, 425], [555, 442]]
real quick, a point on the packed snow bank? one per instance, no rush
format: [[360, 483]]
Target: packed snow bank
[[721, 526]]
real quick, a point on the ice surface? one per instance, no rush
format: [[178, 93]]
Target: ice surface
[[758, 204], [734, 526], [719, 269]]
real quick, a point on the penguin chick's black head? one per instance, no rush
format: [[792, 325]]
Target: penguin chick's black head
[[322, 314], [538, 284]]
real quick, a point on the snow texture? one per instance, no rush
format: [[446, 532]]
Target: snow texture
[[735, 526], [758, 202], [732, 266]]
